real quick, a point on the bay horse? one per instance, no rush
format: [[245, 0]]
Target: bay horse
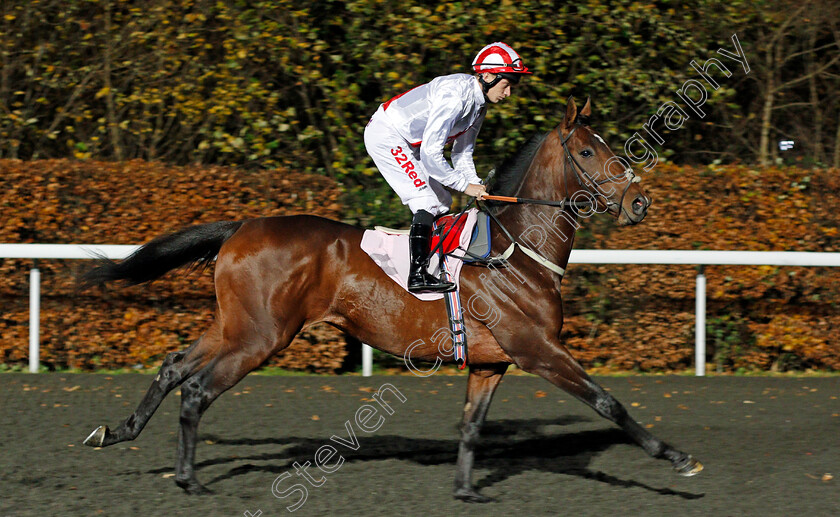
[[277, 275]]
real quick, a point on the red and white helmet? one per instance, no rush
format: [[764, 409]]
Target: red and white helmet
[[498, 58]]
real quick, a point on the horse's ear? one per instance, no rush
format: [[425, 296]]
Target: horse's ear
[[587, 108], [583, 115], [571, 113]]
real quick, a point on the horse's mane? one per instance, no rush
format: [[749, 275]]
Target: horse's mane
[[512, 171]]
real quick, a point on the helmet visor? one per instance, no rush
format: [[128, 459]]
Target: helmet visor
[[512, 78]]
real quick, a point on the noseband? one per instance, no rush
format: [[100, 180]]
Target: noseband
[[575, 166]]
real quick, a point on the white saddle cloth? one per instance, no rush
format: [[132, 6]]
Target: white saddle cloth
[[390, 252]]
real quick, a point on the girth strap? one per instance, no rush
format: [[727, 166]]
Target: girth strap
[[539, 259]]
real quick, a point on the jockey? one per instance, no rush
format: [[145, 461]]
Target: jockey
[[406, 136]]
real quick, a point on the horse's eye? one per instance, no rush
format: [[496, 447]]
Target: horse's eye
[[586, 153]]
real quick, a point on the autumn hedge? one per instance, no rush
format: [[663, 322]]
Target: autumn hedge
[[638, 318], [63, 201], [759, 317]]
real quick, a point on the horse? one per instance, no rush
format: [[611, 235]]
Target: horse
[[276, 275]]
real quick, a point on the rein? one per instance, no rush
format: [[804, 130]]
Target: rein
[[564, 203], [589, 183]]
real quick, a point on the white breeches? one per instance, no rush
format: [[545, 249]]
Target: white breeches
[[399, 163]]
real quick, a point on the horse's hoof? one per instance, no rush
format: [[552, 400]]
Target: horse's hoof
[[198, 489], [688, 467], [97, 437], [193, 487], [471, 496]]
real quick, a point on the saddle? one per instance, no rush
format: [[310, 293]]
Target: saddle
[[448, 228], [458, 238]]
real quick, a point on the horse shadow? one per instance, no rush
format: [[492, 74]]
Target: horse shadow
[[507, 448]]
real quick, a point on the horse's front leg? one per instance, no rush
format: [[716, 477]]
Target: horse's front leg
[[481, 385], [554, 363]]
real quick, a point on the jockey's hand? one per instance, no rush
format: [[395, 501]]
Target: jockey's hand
[[475, 190]]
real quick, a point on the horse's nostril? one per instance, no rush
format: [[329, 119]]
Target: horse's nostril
[[639, 205]]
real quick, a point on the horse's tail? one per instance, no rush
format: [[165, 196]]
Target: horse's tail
[[195, 246]]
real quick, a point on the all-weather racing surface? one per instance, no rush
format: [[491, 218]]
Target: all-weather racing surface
[[770, 445]]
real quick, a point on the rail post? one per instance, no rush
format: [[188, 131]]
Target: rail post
[[367, 360], [700, 324], [34, 317]]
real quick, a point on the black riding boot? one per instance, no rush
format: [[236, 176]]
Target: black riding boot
[[419, 280]]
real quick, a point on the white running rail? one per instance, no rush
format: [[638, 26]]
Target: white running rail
[[699, 258]]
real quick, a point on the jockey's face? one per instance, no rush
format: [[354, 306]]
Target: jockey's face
[[499, 91]]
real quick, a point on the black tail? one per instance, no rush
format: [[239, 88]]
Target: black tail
[[195, 246]]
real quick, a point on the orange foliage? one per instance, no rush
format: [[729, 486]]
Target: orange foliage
[[642, 317], [62, 201]]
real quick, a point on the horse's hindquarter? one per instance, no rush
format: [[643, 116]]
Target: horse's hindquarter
[[273, 272]]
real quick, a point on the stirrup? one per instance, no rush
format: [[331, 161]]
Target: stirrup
[[425, 289], [430, 284]]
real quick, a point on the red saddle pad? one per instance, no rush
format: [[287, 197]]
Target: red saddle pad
[[450, 229]]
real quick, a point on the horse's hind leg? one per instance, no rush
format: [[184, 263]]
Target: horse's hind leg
[[481, 385], [560, 368], [175, 368], [237, 357], [196, 397]]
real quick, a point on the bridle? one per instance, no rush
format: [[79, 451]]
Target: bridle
[[584, 179], [630, 176]]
